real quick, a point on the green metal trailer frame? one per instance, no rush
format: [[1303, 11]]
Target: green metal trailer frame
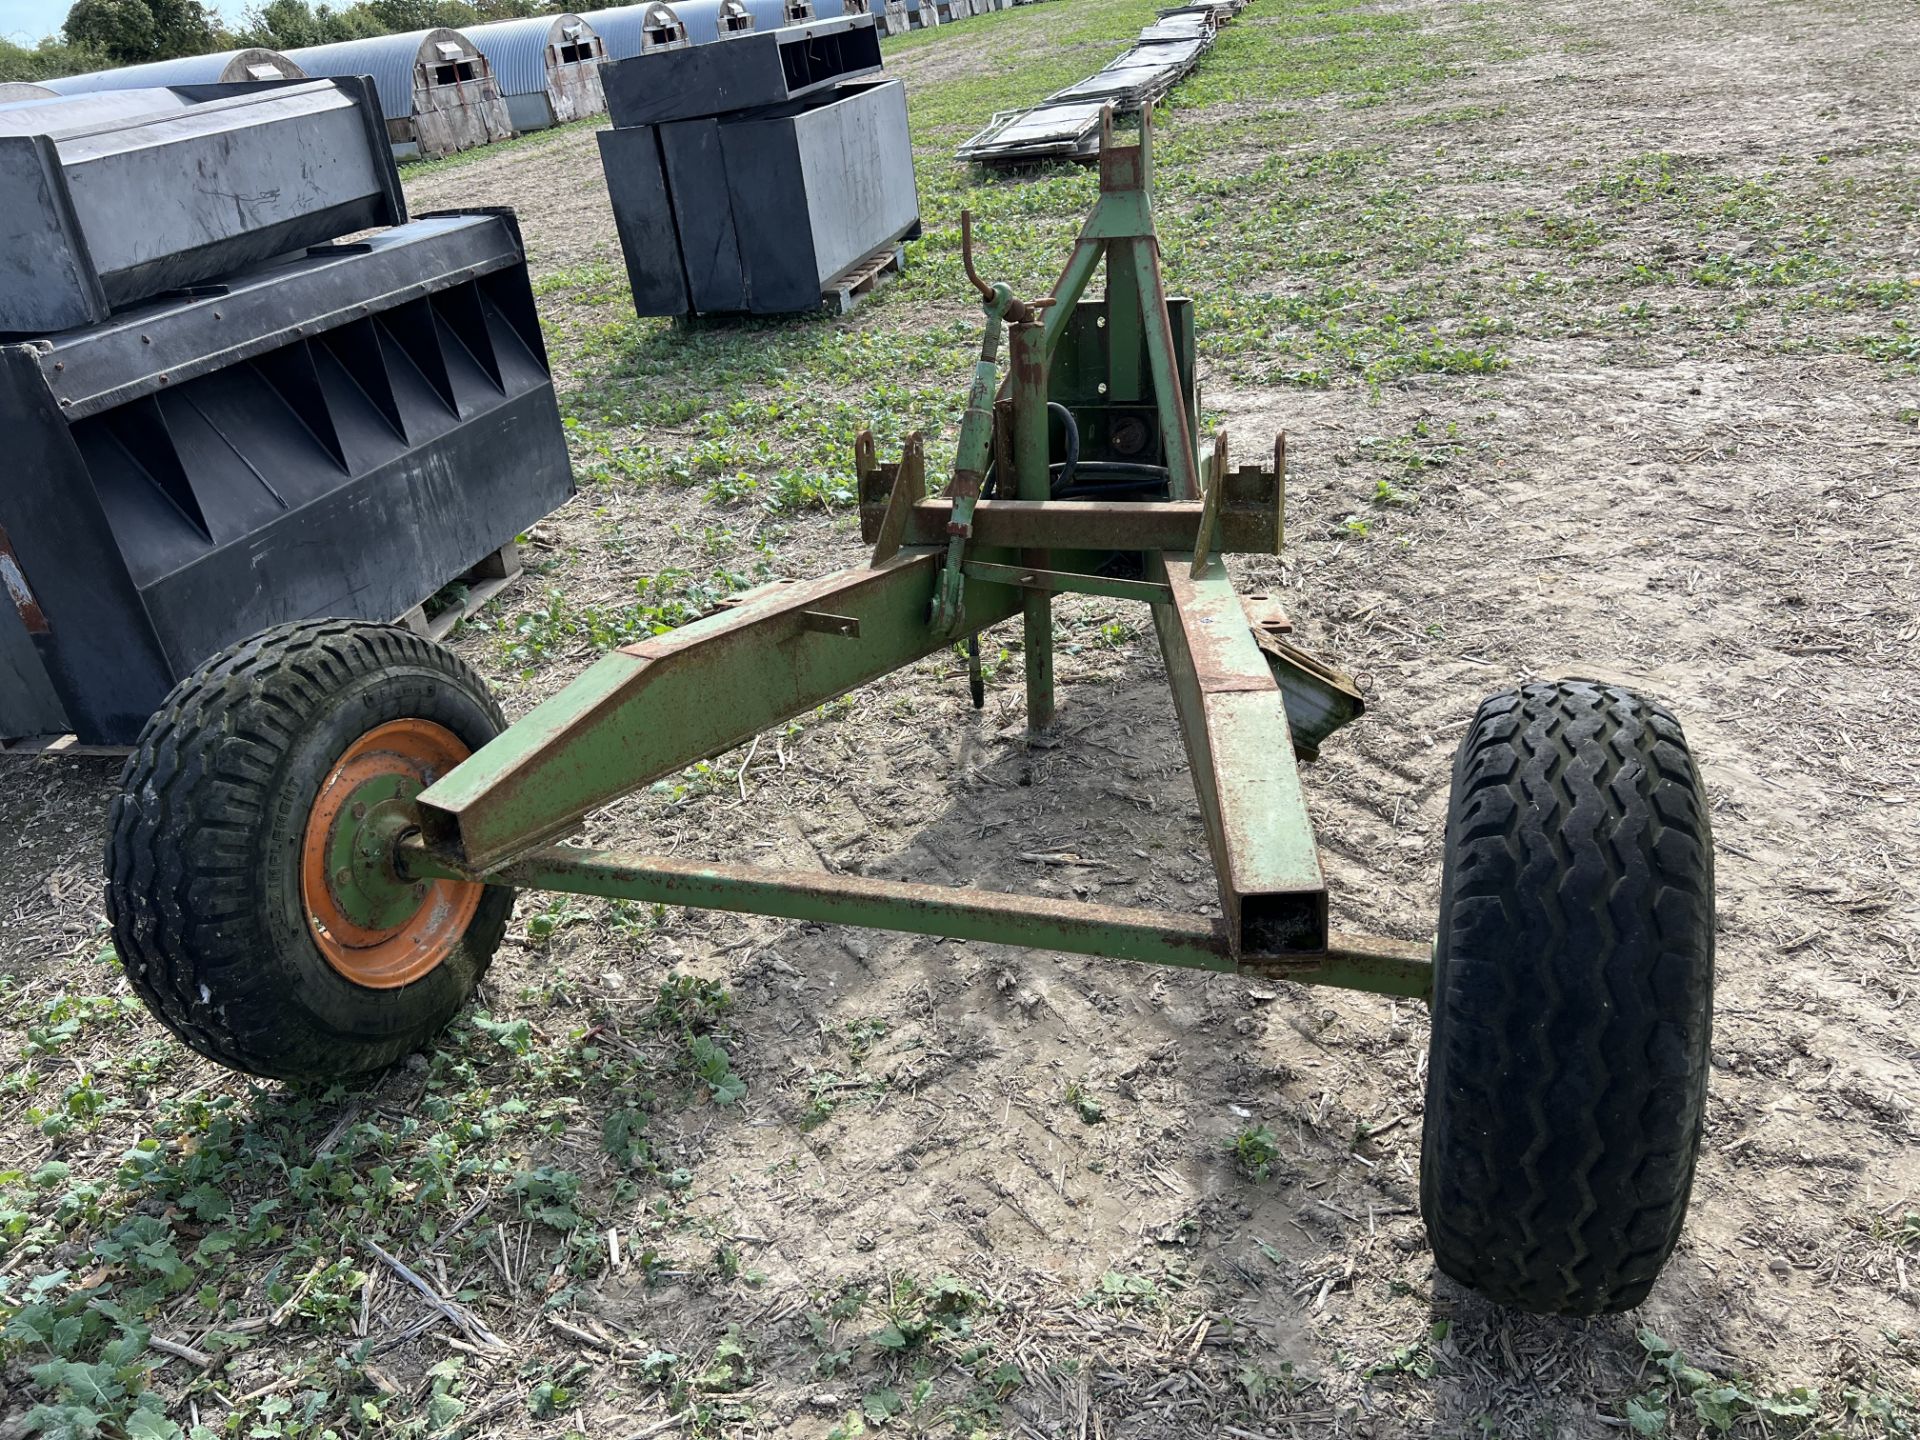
[[944, 568]]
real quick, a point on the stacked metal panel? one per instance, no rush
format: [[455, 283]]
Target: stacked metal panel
[[1066, 125], [1139, 78], [749, 177], [219, 418], [1045, 132], [95, 187]]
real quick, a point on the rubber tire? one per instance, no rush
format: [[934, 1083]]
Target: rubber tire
[[203, 886], [1573, 1001]]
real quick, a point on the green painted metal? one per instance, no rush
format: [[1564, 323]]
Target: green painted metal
[[1101, 524], [1234, 721], [1378, 964], [1125, 347], [360, 874], [1062, 581], [1120, 215], [1036, 631], [1067, 290], [1033, 469], [949, 608], [1175, 422], [653, 708]]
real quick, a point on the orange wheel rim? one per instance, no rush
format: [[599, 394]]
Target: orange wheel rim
[[372, 925]]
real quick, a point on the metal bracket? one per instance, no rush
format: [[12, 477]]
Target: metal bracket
[[1215, 480], [906, 487]]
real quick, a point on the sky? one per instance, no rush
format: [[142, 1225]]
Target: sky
[[25, 21]]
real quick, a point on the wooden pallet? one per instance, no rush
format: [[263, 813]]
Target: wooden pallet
[[483, 582], [880, 268], [66, 745]]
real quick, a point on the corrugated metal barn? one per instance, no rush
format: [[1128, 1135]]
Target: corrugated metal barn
[[547, 67], [437, 90], [222, 69], [889, 15], [629, 30], [710, 20], [772, 14]]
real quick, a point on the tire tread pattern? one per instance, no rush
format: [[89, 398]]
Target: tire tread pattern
[[197, 801], [1566, 1087]]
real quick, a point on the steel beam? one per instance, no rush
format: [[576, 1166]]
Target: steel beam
[[1354, 962], [1234, 720], [1244, 528], [1069, 582], [652, 708], [1067, 290], [1032, 463], [1176, 429]]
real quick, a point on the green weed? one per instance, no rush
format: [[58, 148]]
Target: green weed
[[1717, 1403], [1256, 1150]]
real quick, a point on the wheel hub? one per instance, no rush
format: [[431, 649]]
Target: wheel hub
[[374, 925]]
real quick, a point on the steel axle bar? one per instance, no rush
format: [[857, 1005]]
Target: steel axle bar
[[1354, 962]]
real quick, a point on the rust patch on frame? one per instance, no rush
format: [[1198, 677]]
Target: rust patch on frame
[[19, 592]]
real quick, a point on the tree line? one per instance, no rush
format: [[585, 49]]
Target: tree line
[[103, 34]]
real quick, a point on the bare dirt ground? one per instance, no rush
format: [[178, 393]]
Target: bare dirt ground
[[1723, 517]]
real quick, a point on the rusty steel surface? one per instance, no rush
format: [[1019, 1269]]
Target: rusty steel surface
[[1215, 481], [1377, 964], [1319, 698], [906, 488], [19, 593]]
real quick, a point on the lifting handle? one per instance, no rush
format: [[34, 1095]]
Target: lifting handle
[[1019, 312], [966, 255]]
